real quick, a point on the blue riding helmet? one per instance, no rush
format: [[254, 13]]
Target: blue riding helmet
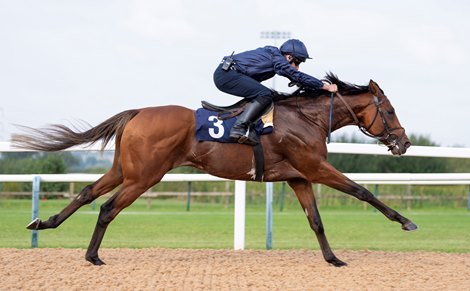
[[295, 48]]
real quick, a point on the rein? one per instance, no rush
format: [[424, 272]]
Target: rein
[[330, 119]]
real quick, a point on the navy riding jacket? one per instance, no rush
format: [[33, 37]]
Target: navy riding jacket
[[263, 63]]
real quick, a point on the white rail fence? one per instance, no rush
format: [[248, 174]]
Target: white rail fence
[[240, 186]]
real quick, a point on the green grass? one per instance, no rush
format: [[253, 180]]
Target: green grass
[[167, 224]]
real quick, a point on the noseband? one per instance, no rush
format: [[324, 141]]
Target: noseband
[[387, 136]]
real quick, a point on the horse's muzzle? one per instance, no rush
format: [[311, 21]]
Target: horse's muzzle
[[400, 146]]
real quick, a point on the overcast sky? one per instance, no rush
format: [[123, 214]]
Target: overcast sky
[[62, 61]]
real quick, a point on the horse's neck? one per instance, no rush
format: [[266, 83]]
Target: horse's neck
[[342, 115], [317, 110], [357, 104]]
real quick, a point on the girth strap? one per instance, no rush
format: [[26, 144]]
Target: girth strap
[[259, 162]]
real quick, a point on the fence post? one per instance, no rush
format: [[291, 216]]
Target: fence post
[[188, 196], [409, 200], [283, 193], [239, 223], [376, 190], [269, 215], [318, 195], [71, 190], [35, 209], [468, 199]]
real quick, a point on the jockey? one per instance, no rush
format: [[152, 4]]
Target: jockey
[[241, 75]]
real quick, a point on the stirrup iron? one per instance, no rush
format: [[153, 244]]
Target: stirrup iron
[[244, 138]]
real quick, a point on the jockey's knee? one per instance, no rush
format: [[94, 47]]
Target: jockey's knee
[[265, 100]]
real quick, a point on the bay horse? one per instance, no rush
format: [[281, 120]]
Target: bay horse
[[151, 141]]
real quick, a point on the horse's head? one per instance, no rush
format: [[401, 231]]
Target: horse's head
[[369, 108], [379, 120]]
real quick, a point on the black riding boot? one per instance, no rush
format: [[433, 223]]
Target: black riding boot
[[243, 124]]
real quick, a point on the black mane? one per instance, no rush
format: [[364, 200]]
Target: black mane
[[344, 88]]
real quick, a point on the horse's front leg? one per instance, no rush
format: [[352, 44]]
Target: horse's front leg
[[304, 192], [333, 178]]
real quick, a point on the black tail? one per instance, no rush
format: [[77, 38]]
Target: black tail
[[58, 137]]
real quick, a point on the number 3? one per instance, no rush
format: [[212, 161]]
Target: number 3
[[218, 124]]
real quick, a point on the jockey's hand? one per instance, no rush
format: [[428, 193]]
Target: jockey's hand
[[330, 88], [292, 84]]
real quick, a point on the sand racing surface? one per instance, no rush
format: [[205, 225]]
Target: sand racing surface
[[176, 269]]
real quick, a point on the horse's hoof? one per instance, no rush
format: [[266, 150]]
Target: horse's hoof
[[336, 262], [409, 226], [95, 261], [34, 225]]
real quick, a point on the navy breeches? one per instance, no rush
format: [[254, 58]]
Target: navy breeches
[[238, 84]]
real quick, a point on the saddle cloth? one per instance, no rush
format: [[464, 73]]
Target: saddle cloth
[[209, 127]]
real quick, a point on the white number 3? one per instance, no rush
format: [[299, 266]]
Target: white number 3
[[218, 124]]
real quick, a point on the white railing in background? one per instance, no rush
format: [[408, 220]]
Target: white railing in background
[[240, 186], [360, 178], [413, 151]]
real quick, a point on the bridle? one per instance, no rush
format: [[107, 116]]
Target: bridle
[[387, 137]]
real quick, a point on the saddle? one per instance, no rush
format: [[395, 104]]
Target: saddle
[[236, 106], [266, 121]]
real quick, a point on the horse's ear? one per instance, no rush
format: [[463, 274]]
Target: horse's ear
[[374, 88]]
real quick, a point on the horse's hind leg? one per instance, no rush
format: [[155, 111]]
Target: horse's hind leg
[[102, 186], [335, 179], [108, 211], [303, 190]]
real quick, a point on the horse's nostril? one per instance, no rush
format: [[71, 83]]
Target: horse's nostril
[[407, 144]]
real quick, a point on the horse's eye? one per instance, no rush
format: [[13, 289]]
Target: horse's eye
[[391, 111]]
